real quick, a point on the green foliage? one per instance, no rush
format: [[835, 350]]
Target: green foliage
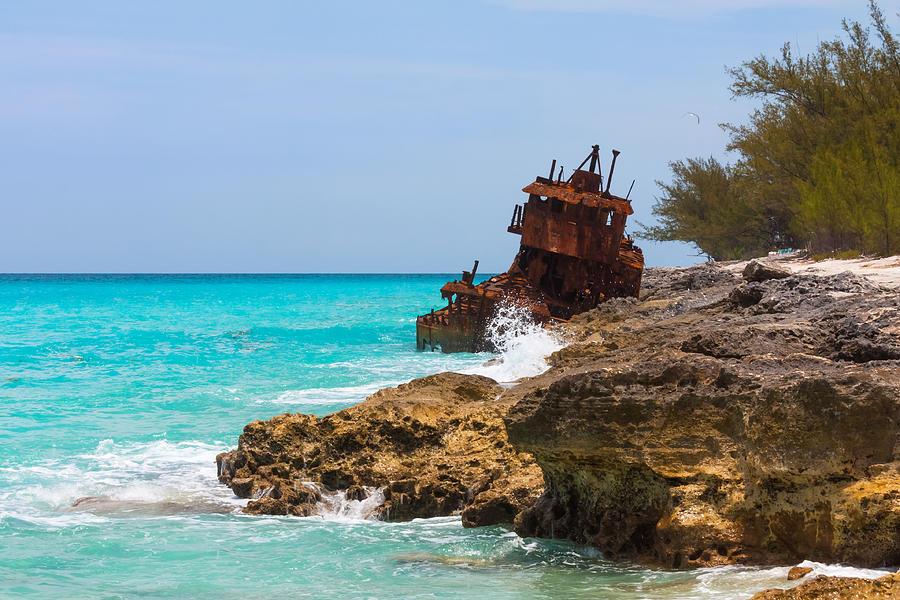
[[818, 161], [709, 204]]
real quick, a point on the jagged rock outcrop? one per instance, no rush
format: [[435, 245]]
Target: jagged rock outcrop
[[715, 420], [839, 588], [718, 421], [435, 446]]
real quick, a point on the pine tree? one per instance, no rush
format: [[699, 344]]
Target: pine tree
[[818, 161]]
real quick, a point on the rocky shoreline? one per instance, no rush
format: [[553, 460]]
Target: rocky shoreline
[[838, 588], [433, 447], [734, 414], [721, 421]]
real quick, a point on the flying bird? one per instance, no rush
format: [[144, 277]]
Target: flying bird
[[692, 114]]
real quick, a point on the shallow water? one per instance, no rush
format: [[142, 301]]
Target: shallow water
[[116, 393]]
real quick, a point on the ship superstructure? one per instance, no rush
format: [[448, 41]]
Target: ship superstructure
[[574, 254]]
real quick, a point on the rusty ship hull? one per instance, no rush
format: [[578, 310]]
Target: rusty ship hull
[[574, 254]]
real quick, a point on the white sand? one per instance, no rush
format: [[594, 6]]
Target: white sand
[[883, 271]]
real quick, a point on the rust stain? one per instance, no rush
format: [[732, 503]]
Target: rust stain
[[574, 255]]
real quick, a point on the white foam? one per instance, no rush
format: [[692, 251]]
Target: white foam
[[326, 396], [522, 345], [843, 570], [738, 582], [335, 506], [148, 477]]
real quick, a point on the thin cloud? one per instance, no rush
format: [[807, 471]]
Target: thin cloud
[[87, 81], [28, 53]]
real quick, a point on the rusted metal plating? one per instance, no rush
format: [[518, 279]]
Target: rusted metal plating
[[574, 255]]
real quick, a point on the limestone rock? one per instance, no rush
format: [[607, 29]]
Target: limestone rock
[[689, 429], [714, 421], [798, 573], [435, 446], [839, 588], [757, 270]]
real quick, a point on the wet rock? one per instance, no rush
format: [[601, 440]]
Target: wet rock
[[798, 573], [489, 509], [104, 505], [268, 506], [498, 504], [426, 444], [356, 492], [839, 588], [242, 486]]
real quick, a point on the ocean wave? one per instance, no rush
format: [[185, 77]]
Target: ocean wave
[[733, 582], [157, 478], [522, 345], [328, 395], [842, 570], [522, 350]]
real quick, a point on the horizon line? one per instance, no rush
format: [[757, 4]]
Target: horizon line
[[4, 273]]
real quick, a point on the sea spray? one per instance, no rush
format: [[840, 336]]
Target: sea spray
[[522, 345], [115, 478], [336, 506]]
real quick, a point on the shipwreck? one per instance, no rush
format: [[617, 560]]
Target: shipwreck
[[574, 254]]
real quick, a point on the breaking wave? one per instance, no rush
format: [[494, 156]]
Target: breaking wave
[[335, 506], [328, 396], [522, 345], [155, 478]]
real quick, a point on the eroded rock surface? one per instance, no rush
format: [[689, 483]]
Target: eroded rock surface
[[839, 588], [798, 572], [757, 270], [435, 446], [717, 421]]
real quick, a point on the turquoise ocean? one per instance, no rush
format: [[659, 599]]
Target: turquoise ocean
[[123, 388]]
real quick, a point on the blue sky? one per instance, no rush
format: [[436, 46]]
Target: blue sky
[[349, 137]]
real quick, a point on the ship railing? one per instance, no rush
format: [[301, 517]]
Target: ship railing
[[515, 224]]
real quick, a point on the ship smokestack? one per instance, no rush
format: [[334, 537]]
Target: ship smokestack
[[595, 156], [611, 167]]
